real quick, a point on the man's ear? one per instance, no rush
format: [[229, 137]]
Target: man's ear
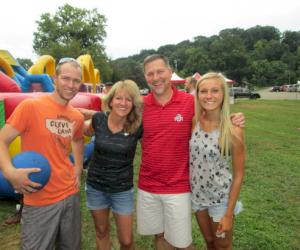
[[55, 79]]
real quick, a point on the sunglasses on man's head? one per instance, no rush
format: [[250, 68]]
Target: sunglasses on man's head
[[67, 59]]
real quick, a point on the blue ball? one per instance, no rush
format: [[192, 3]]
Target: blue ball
[[27, 159], [31, 159]]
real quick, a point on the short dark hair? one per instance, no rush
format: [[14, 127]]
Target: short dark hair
[[154, 57]]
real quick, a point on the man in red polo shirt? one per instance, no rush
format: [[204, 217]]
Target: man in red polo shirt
[[163, 203]]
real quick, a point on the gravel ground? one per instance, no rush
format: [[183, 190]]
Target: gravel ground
[[266, 94]]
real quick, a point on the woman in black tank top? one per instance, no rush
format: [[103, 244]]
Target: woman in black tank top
[[110, 175]]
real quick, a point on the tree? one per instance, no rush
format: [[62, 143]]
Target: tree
[[266, 73], [260, 55], [73, 32], [228, 54], [128, 69], [257, 33], [197, 61], [292, 39], [270, 50], [25, 62]]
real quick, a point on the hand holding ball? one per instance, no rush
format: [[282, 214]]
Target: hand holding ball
[[27, 159]]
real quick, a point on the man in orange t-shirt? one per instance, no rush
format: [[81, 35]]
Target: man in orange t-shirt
[[50, 126]]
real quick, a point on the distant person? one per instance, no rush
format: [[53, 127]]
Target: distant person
[[214, 143], [107, 87], [49, 125], [190, 84], [109, 184], [164, 197]]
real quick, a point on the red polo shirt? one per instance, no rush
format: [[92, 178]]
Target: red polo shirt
[[165, 144]]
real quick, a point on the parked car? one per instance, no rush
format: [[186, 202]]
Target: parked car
[[284, 87], [293, 88], [290, 88], [275, 89], [239, 92]]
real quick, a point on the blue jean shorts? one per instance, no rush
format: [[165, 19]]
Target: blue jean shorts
[[216, 212], [120, 203]]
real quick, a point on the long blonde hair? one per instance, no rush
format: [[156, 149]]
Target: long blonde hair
[[134, 118], [225, 125]]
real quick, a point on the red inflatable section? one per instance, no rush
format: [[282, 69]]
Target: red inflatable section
[[7, 84], [86, 100]]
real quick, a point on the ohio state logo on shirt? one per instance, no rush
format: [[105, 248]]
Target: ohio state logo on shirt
[[178, 118]]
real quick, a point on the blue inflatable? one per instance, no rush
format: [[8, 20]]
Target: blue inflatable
[[87, 154], [44, 79], [25, 80], [27, 159]]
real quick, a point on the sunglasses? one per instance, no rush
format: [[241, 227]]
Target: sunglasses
[[67, 59]]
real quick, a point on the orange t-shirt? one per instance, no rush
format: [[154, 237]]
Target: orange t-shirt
[[47, 128]]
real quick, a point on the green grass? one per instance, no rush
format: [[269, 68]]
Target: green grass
[[270, 194]]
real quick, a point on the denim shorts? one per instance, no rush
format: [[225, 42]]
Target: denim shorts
[[120, 203], [216, 212]]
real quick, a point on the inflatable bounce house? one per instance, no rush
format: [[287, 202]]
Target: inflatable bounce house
[[16, 84]]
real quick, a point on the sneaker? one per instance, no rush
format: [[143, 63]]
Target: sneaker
[[13, 219]]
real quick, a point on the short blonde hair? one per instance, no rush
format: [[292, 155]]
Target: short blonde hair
[[134, 118], [225, 122]]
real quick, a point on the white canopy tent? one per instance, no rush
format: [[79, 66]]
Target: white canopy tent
[[176, 80]]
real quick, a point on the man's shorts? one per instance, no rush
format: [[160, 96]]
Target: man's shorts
[[165, 213], [120, 203], [58, 224]]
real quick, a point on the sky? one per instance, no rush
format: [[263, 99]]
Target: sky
[[134, 25]]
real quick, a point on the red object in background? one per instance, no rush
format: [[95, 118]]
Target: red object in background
[[229, 81], [81, 100], [177, 80], [8, 85], [12, 100], [86, 100], [197, 76]]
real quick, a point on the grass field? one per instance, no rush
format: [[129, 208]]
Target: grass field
[[270, 194]]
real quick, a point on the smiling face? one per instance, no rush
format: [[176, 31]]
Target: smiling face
[[158, 76], [211, 94], [121, 104], [67, 82]]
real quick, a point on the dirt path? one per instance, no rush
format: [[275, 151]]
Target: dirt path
[[266, 94]]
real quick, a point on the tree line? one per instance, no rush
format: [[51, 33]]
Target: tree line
[[260, 55]]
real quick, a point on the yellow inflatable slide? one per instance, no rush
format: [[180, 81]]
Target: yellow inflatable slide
[[46, 64]]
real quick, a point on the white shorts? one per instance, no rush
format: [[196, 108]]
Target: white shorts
[[165, 213]]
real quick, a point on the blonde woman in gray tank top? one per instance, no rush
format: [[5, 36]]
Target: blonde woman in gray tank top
[[215, 146]]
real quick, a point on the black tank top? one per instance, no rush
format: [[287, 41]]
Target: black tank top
[[111, 167]]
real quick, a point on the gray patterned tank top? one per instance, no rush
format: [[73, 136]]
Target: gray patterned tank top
[[210, 176]]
